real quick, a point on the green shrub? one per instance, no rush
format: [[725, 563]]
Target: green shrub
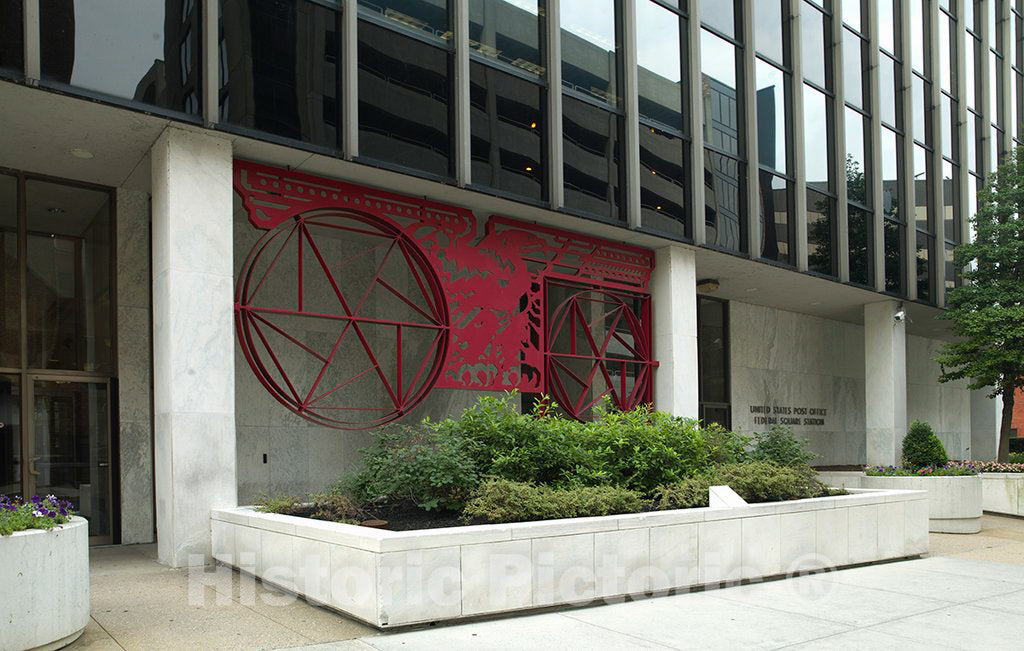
[[284, 504], [1017, 457], [951, 470], [502, 500], [780, 446], [922, 448], [416, 465], [754, 481]]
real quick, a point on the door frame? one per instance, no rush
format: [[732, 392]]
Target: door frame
[[29, 456]]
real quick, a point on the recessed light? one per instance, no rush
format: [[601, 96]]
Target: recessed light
[[78, 152]]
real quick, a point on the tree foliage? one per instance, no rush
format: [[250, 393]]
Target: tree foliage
[[987, 311]]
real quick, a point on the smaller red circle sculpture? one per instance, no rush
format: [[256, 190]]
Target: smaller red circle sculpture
[[342, 318]]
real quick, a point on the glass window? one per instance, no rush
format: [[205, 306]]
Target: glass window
[[889, 144], [887, 90], [590, 48], [995, 88], [893, 237], [950, 209], [767, 20], [506, 127], [659, 64], [720, 15], [917, 44], [721, 105], [859, 230], [853, 68], [127, 51], [280, 70], [921, 110], [771, 116], [924, 271], [857, 177], [68, 260], [970, 69], [851, 14], [404, 97], [887, 26], [946, 55], [814, 25], [820, 233], [431, 16], [511, 31], [952, 274], [817, 140], [10, 450], [723, 209], [947, 113], [776, 224], [974, 132], [712, 334], [591, 150], [10, 301], [921, 185], [663, 182], [12, 45]]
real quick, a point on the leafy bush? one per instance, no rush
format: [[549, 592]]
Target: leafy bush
[[1017, 457], [639, 449], [780, 446], [502, 500], [754, 481], [951, 470], [921, 448], [34, 513], [414, 464]]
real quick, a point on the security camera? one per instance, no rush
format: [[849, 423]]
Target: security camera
[[900, 315]]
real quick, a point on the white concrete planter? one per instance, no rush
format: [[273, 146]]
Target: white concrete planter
[[389, 578], [1003, 492], [44, 586], [954, 503]]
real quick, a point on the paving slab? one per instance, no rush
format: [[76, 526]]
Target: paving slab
[[965, 625]]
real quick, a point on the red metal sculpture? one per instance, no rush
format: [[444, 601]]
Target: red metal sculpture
[[464, 309]]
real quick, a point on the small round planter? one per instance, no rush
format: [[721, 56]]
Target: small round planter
[[954, 503], [44, 600]]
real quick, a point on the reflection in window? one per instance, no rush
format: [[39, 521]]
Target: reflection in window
[[888, 90], [404, 97], [814, 25], [510, 31], [859, 230], [12, 45], [10, 302], [663, 182], [127, 51], [922, 176], [820, 233], [712, 350], [887, 26], [720, 15], [776, 225], [507, 132], [854, 59], [721, 105], [894, 236], [659, 64], [924, 272], [280, 69], [590, 48], [591, 137], [952, 276], [767, 21], [950, 205], [69, 272], [889, 154], [722, 208], [771, 116], [857, 184], [430, 16], [817, 140]]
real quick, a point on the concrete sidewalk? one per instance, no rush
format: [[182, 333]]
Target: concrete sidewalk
[[968, 594]]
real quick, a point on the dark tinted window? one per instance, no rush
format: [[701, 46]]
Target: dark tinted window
[[924, 267], [280, 69], [404, 98], [659, 64], [431, 16], [775, 218], [509, 31], [507, 132], [590, 48], [893, 241], [721, 98], [10, 296], [663, 182], [714, 360], [820, 233], [142, 51], [591, 149], [722, 208], [12, 36], [859, 222]]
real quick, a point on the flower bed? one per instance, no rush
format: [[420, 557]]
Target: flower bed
[[397, 578], [44, 598]]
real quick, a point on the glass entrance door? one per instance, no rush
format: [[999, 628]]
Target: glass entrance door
[[69, 447]]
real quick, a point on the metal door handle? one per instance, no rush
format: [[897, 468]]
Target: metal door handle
[[32, 466]]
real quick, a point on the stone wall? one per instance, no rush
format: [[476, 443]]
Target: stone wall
[[946, 407], [786, 361]]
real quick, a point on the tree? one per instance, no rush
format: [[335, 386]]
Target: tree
[[987, 311]]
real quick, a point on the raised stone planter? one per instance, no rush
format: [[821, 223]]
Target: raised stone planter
[[954, 503], [389, 578], [44, 586], [1003, 492]]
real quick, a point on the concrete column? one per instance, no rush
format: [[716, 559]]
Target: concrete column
[[193, 347], [885, 375], [674, 299], [986, 417]]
